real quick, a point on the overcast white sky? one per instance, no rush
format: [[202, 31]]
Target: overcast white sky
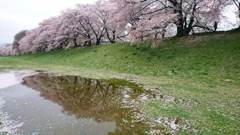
[[17, 15]]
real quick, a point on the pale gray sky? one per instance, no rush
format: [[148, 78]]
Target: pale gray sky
[[17, 15]]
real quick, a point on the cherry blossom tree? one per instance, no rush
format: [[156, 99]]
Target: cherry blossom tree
[[198, 14], [8, 50], [52, 29], [120, 20], [80, 25], [105, 13], [26, 43], [46, 34], [149, 17], [123, 18], [97, 20], [45, 37], [17, 38], [237, 3], [69, 29]]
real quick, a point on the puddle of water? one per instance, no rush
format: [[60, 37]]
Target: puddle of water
[[53, 104], [14, 77], [7, 79]]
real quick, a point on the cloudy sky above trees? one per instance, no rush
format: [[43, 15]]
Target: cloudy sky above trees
[[17, 15]]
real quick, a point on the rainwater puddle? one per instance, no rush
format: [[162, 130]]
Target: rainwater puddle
[[49, 104]]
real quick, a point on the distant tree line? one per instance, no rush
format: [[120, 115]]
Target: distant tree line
[[111, 21]]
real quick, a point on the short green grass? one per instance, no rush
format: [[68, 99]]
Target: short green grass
[[201, 71]]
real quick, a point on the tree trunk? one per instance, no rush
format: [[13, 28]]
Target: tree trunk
[[180, 31], [239, 13], [180, 23], [239, 10], [89, 42], [98, 41], [183, 26], [111, 40], [114, 37], [75, 42]]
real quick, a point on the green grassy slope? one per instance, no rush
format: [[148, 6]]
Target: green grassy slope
[[207, 59], [203, 68]]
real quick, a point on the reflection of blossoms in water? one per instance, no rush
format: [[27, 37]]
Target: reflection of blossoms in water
[[111, 100], [100, 100], [7, 125], [84, 97]]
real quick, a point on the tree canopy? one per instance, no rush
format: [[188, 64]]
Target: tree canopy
[[111, 21]]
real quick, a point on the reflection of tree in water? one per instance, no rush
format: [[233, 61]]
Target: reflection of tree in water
[[87, 98]]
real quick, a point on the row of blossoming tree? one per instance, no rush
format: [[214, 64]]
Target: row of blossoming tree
[[110, 21]]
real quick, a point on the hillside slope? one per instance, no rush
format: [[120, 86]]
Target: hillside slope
[[203, 68], [212, 58]]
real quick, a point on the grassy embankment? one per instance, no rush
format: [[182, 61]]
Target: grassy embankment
[[203, 72]]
